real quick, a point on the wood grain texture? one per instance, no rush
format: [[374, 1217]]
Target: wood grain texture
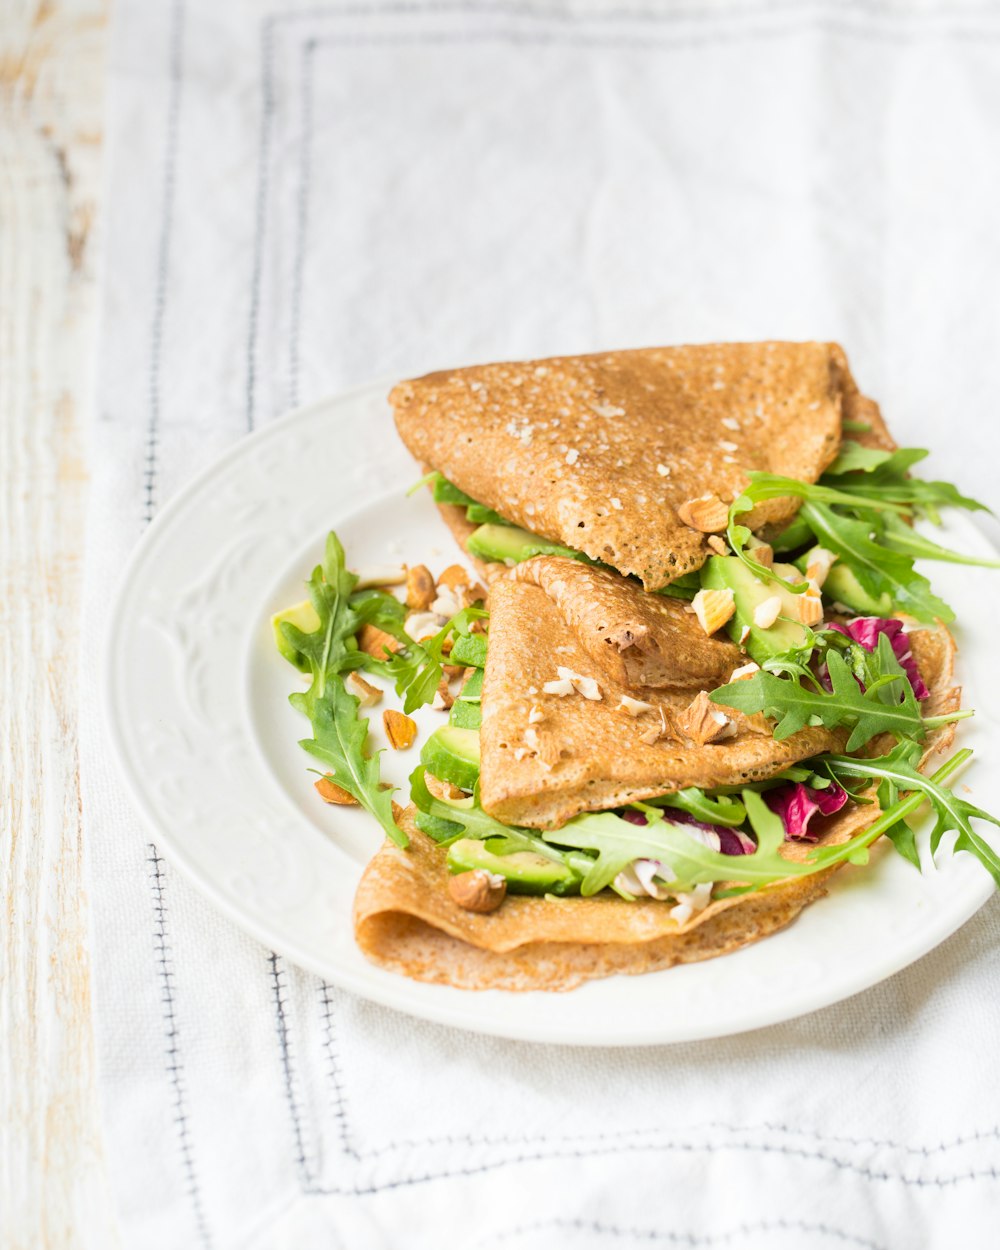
[[53, 1186]]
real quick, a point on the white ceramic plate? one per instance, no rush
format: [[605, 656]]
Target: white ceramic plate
[[198, 711]]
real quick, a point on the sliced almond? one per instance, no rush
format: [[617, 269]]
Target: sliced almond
[[707, 514], [766, 613], [420, 589], [366, 694], [718, 545], [703, 722], [760, 551], [453, 577], [376, 641], [399, 729], [713, 608], [442, 789], [330, 792]]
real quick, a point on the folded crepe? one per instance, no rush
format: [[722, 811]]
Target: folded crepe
[[406, 921], [599, 453], [546, 757]]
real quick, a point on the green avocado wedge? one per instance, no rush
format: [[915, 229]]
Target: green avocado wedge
[[785, 637], [452, 754], [524, 871]]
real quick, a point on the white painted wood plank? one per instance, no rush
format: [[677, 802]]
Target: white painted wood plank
[[53, 1190]]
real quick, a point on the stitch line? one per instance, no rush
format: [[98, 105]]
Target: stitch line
[[174, 1066], [176, 77], [288, 1071], [400, 7], [301, 222], [669, 1147], [333, 1071], [680, 1239]]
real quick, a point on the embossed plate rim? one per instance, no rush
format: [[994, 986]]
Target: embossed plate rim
[[644, 1010]]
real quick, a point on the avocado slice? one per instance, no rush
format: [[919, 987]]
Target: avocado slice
[[784, 636], [841, 586], [525, 872], [466, 711], [509, 544], [469, 649], [794, 536], [452, 753], [303, 615], [444, 492]]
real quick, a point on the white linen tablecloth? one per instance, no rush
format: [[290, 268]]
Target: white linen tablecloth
[[302, 197]]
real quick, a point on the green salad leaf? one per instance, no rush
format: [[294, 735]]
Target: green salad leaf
[[418, 669], [888, 705], [339, 735]]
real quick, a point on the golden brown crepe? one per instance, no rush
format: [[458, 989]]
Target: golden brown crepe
[[599, 452], [406, 921], [579, 754]]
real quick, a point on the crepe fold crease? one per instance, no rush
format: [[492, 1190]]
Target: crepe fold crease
[[599, 453]]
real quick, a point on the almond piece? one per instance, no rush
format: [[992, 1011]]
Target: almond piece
[[330, 792], [809, 608], [760, 551], [820, 563], [478, 890], [477, 627], [399, 729], [370, 575], [376, 641], [473, 594], [453, 670], [442, 789], [766, 613], [634, 707], [420, 589], [453, 577], [718, 545], [443, 698], [713, 608], [745, 671], [707, 514], [703, 722], [366, 694]]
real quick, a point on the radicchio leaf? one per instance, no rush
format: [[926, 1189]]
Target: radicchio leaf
[[797, 803], [865, 630]]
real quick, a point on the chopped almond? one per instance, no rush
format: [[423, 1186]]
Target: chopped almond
[[713, 608], [453, 670], [718, 545], [443, 698], [446, 647], [760, 551], [442, 789], [453, 577], [477, 627], [367, 694], [745, 671], [399, 729], [766, 613], [820, 563], [703, 722], [707, 514], [634, 707], [370, 575], [420, 589], [330, 792], [809, 608], [376, 641], [473, 594]]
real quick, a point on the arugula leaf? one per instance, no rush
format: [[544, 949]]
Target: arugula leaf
[[867, 712], [878, 569], [721, 811], [853, 457], [338, 741], [952, 813], [339, 735], [417, 672], [901, 537]]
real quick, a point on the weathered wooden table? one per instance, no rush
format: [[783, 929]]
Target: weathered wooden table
[[53, 1181]]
